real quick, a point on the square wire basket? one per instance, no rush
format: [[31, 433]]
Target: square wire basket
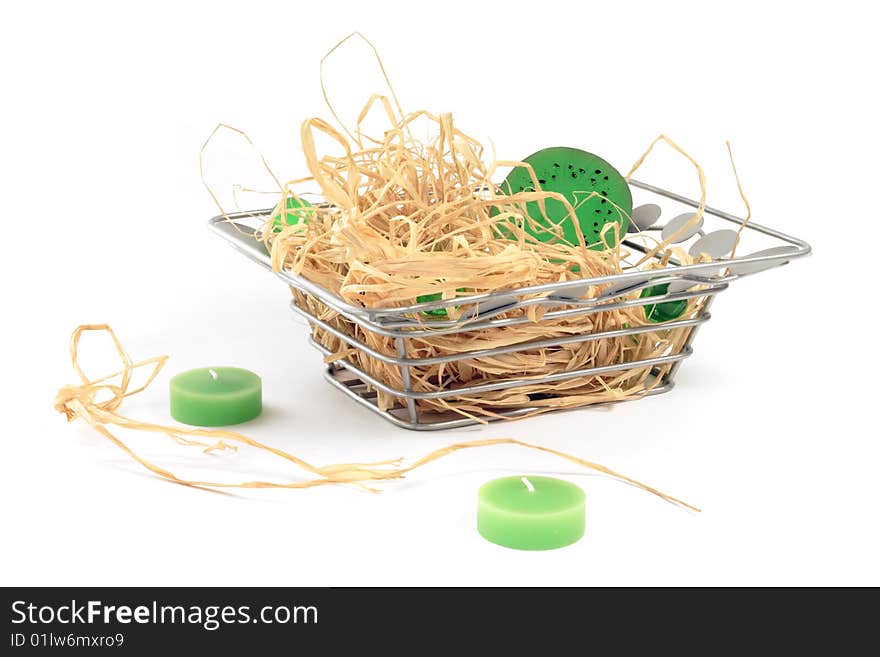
[[340, 329]]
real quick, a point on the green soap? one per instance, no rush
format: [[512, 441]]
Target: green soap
[[437, 296], [662, 312], [300, 213], [575, 174]]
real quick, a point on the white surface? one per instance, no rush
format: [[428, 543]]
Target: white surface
[[771, 429]]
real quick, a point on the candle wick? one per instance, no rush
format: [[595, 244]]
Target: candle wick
[[213, 374], [528, 484]]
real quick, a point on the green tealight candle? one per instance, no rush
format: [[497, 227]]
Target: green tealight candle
[[531, 513], [216, 396]]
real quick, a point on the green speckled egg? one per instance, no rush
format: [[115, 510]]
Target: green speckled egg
[[574, 173]]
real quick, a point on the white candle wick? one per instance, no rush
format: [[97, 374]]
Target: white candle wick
[[213, 374], [528, 484]]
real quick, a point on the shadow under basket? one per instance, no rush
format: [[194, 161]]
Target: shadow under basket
[[519, 352]]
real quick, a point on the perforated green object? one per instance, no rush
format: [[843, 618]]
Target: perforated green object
[[575, 174]]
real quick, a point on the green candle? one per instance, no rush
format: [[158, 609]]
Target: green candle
[[216, 396], [531, 513]]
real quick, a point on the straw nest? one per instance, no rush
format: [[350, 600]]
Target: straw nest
[[405, 218]]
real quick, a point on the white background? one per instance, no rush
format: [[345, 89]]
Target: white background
[[771, 429]]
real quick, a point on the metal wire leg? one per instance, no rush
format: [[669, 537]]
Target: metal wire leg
[[673, 370], [407, 381]]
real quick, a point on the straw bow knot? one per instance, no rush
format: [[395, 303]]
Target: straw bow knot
[[82, 400], [72, 399]]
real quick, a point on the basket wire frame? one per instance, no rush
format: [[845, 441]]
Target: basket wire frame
[[702, 281]]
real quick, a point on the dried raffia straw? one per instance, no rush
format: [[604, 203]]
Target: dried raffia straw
[[700, 209], [243, 135], [81, 401], [404, 218], [745, 201]]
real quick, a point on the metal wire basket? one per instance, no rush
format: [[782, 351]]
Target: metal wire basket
[[698, 284]]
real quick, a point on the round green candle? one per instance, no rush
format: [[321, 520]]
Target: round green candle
[[216, 396], [531, 513]]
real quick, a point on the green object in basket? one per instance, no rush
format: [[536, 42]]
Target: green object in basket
[[575, 174], [301, 211], [531, 513], [437, 296], [216, 396], [662, 312]]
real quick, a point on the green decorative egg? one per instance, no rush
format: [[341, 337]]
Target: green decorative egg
[[437, 296], [299, 209], [575, 174], [662, 312]]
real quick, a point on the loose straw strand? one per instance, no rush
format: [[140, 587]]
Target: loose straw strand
[[745, 201], [208, 140], [381, 69], [79, 402], [700, 209]]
